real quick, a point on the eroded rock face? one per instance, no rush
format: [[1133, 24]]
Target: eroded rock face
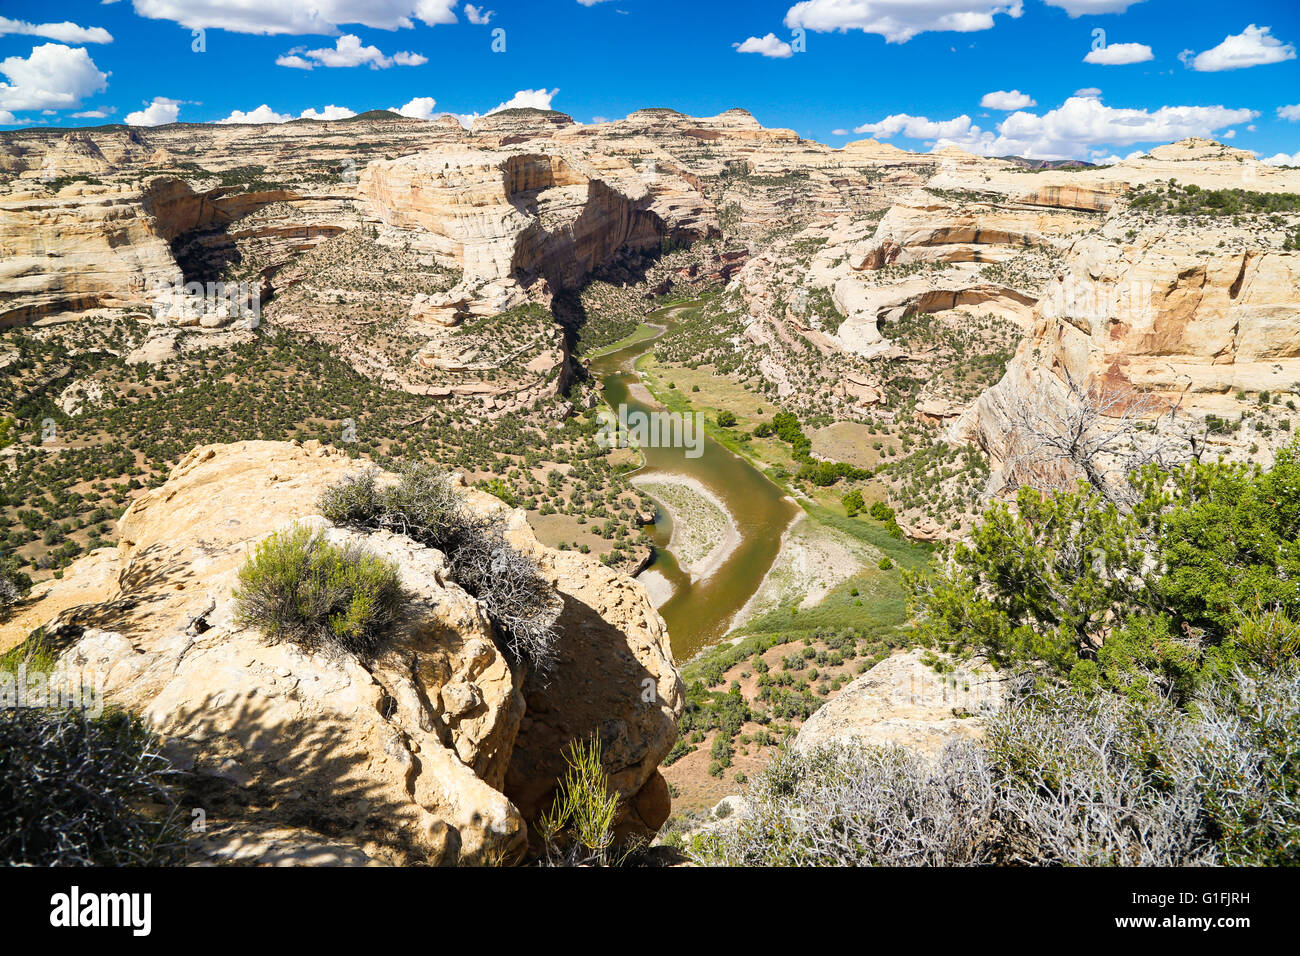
[[86, 247], [467, 300], [420, 755], [512, 212], [610, 683], [111, 246], [1154, 311], [924, 228]]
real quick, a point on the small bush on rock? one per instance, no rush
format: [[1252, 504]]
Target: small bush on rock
[[301, 588], [578, 830], [13, 585], [426, 506]]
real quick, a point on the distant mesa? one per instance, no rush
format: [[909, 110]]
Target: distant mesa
[[520, 118]]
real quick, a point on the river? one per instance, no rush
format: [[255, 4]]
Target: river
[[699, 612]]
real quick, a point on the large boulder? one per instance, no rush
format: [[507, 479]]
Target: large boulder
[[904, 702], [412, 757]]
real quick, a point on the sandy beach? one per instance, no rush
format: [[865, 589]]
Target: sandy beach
[[704, 531]]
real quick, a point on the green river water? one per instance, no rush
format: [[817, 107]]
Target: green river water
[[699, 612]]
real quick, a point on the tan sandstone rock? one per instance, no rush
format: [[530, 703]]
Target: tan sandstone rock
[[903, 702], [411, 756]]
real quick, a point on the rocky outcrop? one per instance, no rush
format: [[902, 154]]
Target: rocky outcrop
[[75, 154], [466, 301], [903, 702], [924, 228], [865, 307], [1147, 308], [438, 750], [519, 124]]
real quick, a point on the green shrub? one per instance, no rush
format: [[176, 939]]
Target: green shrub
[[13, 585], [853, 502], [426, 506], [578, 830], [297, 586], [37, 653], [354, 500], [1148, 599]]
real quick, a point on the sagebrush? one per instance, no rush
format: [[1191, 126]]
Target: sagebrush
[[80, 791], [427, 506], [1063, 777], [299, 587]]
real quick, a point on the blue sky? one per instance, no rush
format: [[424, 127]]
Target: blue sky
[[918, 73]]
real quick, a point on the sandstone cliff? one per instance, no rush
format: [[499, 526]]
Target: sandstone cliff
[[1155, 308], [81, 248], [498, 214]]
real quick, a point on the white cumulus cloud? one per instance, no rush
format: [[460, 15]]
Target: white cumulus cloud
[[65, 32], [1073, 130], [297, 17], [1282, 159], [527, 99], [1254, 46], [918, 127], [477, 14], [1291, 113], [1007, 100], [419, 108], [899, 20], [263, 114], [327, 113], [52, 77], [1119, 54], [769, 45], [158, 113], [348, 51]]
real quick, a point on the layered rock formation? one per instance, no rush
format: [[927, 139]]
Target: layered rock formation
[[497, 214], [923, 227], [437, 750], [90, 247], [83, 248], [1143, 307]]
